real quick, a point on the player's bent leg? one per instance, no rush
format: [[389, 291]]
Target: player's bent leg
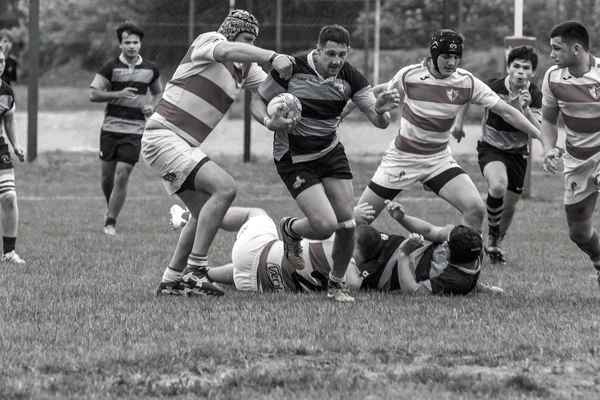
[[376, 196], [9, 218], [221, 190], [107, 178], [340, 195], [461, 192], [581, 230], [119, 191]]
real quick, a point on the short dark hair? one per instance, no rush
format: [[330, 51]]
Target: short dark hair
[[572, 32], [130, 28], [334, 33], [465, 244], [368, 241], [5, 33], [526, 53]]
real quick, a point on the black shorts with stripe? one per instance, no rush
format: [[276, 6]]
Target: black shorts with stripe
[[516, 164], [300, 176], [122, 147], [5, 157]]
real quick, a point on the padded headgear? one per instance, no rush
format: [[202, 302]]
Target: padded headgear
[[445, 41], [238, 21]]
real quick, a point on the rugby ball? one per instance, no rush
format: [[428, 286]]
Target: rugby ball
[[291, 106]]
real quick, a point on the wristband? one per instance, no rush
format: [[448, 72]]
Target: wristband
[[266, 121], [273, 57]]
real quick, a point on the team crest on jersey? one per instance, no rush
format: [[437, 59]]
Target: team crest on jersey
[[339, 86], [595, 92], [452, 94]]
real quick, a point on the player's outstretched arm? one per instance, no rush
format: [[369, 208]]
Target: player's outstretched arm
[[379, 114], [516, 119], [405, 277], [99, 96], [457, 129], [549, 131], [242, 52], [429, 231]]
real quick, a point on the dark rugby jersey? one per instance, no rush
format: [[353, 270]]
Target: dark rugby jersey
[[427, 263], [499, 133], [125, 115], [323, 101], [10, 70]]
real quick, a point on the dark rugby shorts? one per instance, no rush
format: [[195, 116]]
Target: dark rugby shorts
[[300, 176], [516, 164], [124, 147]]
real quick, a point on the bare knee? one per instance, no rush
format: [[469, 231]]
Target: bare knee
[[579, 236], [121, 179], [8, 200], [498, 188], [226, 191], [322, 228]]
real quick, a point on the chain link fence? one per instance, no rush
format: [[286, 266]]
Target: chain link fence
[[78, 36]]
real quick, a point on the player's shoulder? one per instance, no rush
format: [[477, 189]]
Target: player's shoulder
[[462, 73], [6, 89], [496, 84]]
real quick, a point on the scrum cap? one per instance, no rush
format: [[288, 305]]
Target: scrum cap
[[238, 21], [445, 41]]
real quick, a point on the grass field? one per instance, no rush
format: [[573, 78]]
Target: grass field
[[81, 320]]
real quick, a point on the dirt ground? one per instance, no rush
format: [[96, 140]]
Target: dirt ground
[[79, 131]]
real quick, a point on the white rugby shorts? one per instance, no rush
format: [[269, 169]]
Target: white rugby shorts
[[170, 156], [579, 178], [400, 170], [251, 239]]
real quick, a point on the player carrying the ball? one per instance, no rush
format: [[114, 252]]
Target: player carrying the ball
[[310, 158]]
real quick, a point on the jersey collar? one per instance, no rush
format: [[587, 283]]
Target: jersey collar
[[124, 61]]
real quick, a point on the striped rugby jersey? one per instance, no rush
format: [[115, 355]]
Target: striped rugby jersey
[[7, 104], [427, 263], [202, 90], [276, 274], [431, 105], [125, 115], [323, 101], [579, 102], [499, 133]]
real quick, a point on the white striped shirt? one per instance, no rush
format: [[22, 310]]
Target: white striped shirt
[[579, 102], [431, 105], [202, 90]]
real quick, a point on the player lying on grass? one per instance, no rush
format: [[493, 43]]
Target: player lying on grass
[[421, 263]]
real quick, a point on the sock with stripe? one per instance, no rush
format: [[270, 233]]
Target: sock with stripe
[[170, 275], [494, 207], [287, 227]]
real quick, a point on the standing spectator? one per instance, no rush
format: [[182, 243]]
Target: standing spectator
[[9, 217], [123, 83], [10, 67]]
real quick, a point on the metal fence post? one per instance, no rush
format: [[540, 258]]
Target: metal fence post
[[32, 79]]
